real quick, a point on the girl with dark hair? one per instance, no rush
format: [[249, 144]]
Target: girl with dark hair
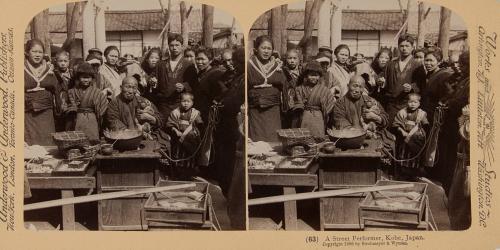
[[380, 62], [110, 79], [39, 87], [314, 100], [87, 103], [339, 75], [265, 83], [148, 65]]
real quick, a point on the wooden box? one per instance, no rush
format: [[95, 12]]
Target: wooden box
[[195, 213], [369, 225], [411, 213]]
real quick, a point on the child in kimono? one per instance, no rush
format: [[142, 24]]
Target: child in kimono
[[64, 75], [183, 124], [87, 103], [145, 107], [410, 122]]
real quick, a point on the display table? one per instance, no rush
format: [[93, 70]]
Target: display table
[[67, 185], [288, 182], [122, 171], [347, 169]]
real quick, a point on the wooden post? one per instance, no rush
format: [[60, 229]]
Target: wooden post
[[336, 24], [444, 31], [409, 14], [184, 26], [311, 18], [88, 27], [421, 30], [166, 21], [100, 26], [73, 15], [275, 28], [231, 41], [208, 25], [40, 29], [284, 29], [324, 22]]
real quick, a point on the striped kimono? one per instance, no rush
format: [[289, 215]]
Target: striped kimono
[[317, 103], [90, 105], [338, 78]]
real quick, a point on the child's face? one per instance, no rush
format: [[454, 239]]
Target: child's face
[[85, 80], [186, 102], [153, 60], [413, 103], [63, 62], [292, 60]]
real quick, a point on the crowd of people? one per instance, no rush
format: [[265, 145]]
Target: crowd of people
[[413, 102], [189, 101]]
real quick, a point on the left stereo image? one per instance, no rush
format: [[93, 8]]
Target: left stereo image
[[134, 117]]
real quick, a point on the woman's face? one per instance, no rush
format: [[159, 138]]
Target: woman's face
[[153, 59], [35, 54], [420, 56], [313, 77], [265, 50], [202, 61], [112, 57], [430, 62], [383, 59], [342, 56], [85, 80], [190, 55]]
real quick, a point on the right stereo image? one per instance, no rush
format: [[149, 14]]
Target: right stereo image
[[358, 117]]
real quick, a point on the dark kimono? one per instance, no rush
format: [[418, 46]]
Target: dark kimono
[[90, 105], [39, 105], [207, 90], [185, 146], [264, 114], [435, 90], [407, 120], [64, 83], [291, 118], [393, 97], [347, 113], [121, 113], [316, 103], [227, 134], [166, 97]]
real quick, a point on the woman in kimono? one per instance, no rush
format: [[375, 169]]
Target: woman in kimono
[[88, 102], [314, 99], [110, 79], [149, 64], [39, 87], [265, 83], [435, 89], [380, 62], [339, 75]]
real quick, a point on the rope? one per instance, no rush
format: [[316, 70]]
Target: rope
[[213, 120], [438, 121]]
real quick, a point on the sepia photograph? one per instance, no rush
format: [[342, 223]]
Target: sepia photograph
[[358, 117], [134, 116]]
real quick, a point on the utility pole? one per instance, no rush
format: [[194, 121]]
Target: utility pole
[[40, 29], [208, 25], [336, 24], [444, 31]]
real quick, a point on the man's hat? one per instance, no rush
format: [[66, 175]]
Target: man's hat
[[95, 50], [326, 49]]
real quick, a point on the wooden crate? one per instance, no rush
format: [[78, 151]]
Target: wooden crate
[[197, 215], [369, 225], [368, 210], [166, 226]]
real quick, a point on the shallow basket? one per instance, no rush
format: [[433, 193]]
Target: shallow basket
[[295, 136], [70, 139]]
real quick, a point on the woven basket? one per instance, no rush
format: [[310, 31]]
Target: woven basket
[[295, 136], [70, 139]]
